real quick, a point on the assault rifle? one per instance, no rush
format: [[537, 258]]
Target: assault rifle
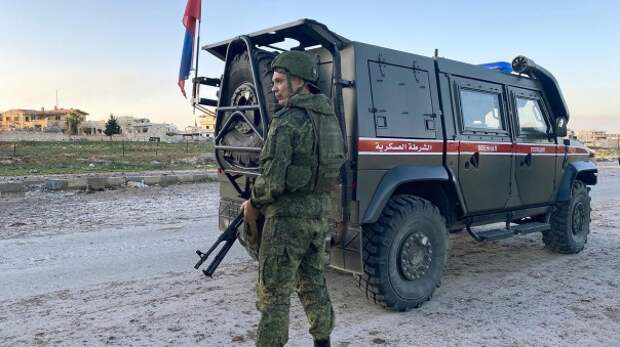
[[229, 236]]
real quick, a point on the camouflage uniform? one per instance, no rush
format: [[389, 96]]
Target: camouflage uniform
[[292, 246]]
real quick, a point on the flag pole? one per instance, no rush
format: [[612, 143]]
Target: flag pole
[[195, 85]]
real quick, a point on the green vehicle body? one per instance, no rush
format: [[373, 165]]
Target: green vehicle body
[[479, 145]]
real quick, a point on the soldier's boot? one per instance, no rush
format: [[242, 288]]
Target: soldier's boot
[[322, 343]]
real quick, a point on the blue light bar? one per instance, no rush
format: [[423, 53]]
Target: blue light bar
[[499, 65]]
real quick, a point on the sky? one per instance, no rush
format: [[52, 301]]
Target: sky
[[122, 57]]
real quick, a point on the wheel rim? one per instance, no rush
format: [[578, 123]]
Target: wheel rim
[[579, 218], [415, 256], [245, 95], [240, 133]]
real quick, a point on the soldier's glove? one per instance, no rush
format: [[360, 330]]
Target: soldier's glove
[[250, 215]]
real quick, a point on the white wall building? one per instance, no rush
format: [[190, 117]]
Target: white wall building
[[141, 129]]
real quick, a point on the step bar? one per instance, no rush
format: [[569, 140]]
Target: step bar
[[504, 233]]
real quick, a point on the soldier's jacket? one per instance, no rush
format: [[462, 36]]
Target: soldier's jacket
[[288, 161]]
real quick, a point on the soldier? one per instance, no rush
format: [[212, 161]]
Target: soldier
[[291, 254]]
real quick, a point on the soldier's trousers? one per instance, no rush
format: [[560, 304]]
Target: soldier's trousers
[[291, 257]]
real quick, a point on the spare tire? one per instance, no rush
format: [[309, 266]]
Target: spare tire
[[240, 90]]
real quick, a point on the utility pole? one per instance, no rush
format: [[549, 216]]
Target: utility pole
[[56, 99]]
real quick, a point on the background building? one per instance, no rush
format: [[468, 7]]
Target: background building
[[92, 127], [48, 121], [597, 139], [206, 124], [141, 129]]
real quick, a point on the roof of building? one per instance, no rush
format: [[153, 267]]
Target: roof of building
[[207, 113], [54, 112]]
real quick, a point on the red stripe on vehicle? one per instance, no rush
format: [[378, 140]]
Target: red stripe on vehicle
[[486, 147], [387, 145], [453, 146], [398, 146], [574, 150], [522, 148]]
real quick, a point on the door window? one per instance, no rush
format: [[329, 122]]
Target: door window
[[481, 110], [531, 120]]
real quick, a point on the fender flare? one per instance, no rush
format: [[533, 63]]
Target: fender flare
[[574, 169], [396, 177]]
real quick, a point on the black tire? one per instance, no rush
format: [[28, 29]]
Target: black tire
[[240, 90], [388, 279], [570, 222], [240, 73]]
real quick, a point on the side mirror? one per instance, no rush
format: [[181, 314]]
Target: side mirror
[[560, 127]]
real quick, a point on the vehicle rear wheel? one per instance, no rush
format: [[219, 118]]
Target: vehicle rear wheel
[[405, 253], [570, 222]]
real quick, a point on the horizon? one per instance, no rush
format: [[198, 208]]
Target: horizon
[[181, 127], [123, 58]]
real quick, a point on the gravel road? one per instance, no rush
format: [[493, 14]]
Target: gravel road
[[115, 268]]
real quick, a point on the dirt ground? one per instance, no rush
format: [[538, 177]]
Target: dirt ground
[[116, 268]]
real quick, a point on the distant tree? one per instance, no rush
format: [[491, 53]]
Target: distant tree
[[72, 121], [112, 127]]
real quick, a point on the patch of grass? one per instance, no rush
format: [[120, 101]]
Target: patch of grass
[[28, 158]]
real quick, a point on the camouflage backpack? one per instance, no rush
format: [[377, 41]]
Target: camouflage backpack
[[330, 150]]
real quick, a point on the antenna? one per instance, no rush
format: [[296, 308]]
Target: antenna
[[56, 98]]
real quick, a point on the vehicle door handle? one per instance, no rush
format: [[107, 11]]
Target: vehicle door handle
[[474, 160], [527, 161]]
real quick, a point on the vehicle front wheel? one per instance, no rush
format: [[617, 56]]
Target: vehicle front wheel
[[570, 222], [405, 253]]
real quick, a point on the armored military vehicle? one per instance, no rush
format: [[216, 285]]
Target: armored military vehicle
[[433, 145]]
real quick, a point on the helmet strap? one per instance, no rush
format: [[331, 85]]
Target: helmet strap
[[289, 85], [292, 91]]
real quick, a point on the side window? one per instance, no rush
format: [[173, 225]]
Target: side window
[[531, 120], [481, 110]]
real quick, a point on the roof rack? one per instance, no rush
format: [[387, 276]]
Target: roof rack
[[307, 32]]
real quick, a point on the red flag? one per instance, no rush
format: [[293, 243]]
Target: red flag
[[192, 14]]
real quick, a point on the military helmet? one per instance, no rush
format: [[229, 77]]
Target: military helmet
[[297, 63]]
